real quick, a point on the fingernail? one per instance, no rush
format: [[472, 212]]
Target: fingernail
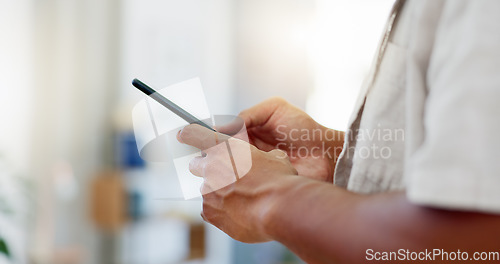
[[179, 136]]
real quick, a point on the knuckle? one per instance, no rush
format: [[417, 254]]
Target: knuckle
[[278, 100], [278, 153], [193, 170], [206, 212], [194, 166], [205, 189], [205, 169], [203, 217], [244, 113]]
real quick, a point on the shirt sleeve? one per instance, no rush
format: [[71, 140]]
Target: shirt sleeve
[[458, 165]]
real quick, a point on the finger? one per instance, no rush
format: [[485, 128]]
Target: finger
[[259, 114], [232, 127], [200, 137], [262, 145], [205, 189], [278, 153], [196, 166]]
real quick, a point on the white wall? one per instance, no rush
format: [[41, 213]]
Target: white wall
[[16, 72], [168, 41], [75, 85], [16, 75]]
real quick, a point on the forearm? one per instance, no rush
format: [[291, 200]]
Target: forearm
[[323, 223]]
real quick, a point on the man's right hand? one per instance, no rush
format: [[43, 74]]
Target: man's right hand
[[313, 149]]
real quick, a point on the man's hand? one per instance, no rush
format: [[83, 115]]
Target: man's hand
[[312, 148], [320, 222], [239, 185]]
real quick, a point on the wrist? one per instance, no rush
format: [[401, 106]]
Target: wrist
[[273, 216]]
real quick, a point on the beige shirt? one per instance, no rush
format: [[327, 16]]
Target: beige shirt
[[428, 118]]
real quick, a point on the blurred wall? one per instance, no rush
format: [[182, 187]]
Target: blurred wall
[[16, 73], [168, 41], [271, 51], [76, 65], [165, 42]]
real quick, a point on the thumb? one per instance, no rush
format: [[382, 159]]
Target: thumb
[[259, 114]]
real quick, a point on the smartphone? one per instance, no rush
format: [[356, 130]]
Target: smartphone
[[169, 104]]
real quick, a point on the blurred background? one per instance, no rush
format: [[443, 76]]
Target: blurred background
[[72, 187]]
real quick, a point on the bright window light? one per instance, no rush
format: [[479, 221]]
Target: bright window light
[[346, 36]]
